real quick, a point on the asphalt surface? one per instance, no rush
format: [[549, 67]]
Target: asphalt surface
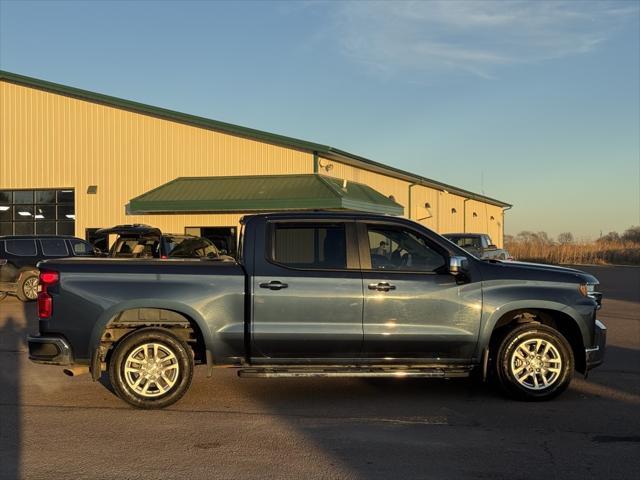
[[53, 426]]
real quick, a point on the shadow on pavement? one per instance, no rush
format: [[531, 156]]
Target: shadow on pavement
[[12, 349]]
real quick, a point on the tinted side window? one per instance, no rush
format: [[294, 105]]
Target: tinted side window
[[21, 248], [399, 249], [310, 246], [54, 247], [81, 249]]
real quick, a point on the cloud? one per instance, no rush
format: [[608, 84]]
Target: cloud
[[476, 36]]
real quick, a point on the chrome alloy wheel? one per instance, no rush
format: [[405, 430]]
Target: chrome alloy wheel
[[536, 364], [30, 288], [151, 370]]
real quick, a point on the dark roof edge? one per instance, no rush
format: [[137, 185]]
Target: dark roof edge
[[325, 150]]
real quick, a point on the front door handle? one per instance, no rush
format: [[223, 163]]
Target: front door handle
[[382, 286], [274, 285]]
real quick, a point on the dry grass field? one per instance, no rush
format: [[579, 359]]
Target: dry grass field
[[585, 253]]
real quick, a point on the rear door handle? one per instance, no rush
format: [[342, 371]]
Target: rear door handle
[[274, 285], [382, 286]]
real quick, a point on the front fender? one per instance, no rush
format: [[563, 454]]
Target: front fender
[[503, 297]]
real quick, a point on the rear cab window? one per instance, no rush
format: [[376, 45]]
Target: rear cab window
[[54, 247], [21, 247], [466, 241]]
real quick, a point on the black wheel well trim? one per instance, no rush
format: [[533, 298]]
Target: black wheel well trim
[[560, 321], [25, 271], [102, 353]]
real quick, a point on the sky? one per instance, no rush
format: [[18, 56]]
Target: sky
[[533, 103]]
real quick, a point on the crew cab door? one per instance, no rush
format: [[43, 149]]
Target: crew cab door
[[414, 308], [307, 291]]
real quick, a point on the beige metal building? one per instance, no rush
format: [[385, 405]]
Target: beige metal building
[[72, 160]]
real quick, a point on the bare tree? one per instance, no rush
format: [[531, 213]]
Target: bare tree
[[632, 234], [565, 237], [610, 237]]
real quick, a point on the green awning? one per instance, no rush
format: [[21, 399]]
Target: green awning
[[262, 193]]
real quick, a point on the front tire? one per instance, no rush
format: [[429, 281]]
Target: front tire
[[151, 368], [27, 290], [534, 362]]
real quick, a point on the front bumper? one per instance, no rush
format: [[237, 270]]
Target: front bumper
[[595, 354], [50, 350]]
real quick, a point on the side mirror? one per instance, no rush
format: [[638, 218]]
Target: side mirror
[[457, 265]]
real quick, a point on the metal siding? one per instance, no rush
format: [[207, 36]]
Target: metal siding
[[428, 217], [496, 226], [382, 183], [439, 218], [451, 222], [54, 141], [51, 141]]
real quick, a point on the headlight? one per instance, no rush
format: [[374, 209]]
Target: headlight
[[587, 289]]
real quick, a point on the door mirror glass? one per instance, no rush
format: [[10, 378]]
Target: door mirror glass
[[457, 265]]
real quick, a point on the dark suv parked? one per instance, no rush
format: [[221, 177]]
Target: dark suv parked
[[19, 255]]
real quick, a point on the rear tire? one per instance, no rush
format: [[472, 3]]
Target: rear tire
[[534, 363], [151, 368], [27, 290]]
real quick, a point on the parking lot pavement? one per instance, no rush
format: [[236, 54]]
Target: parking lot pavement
[[52, 426]]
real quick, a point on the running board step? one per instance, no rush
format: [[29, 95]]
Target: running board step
[[408, 372]]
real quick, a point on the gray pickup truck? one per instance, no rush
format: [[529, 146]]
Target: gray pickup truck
[[319, 294], [478, 244]]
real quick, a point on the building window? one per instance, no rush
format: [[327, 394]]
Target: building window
[[453, 210], [40, 212]]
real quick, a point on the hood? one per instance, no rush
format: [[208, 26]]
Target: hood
[[495, 270]]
